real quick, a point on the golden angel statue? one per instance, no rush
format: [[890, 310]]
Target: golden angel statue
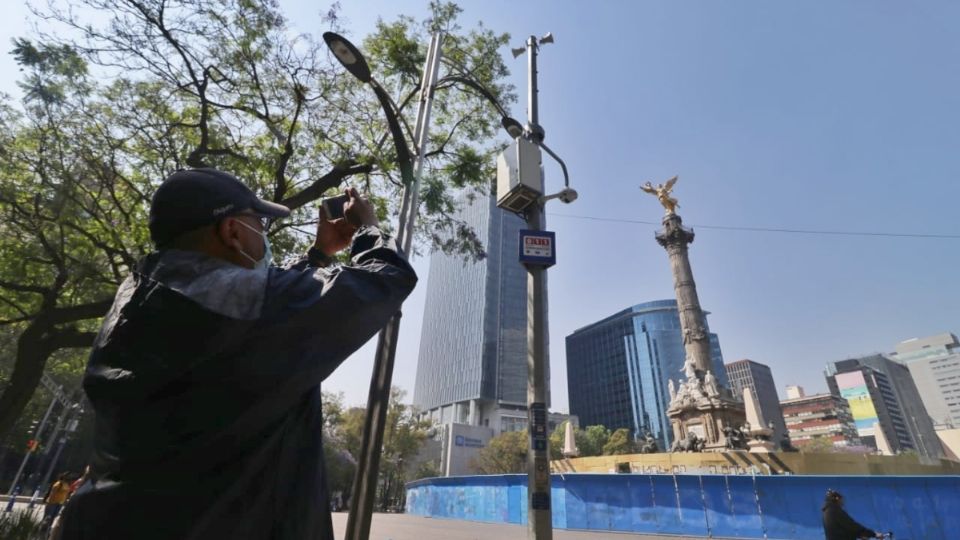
[[662, 192]]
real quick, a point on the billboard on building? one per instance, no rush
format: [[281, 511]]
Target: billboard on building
[[853, 388]]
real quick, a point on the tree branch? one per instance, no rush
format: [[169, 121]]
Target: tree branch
[[69, 338], [81, 312], [325, 182], [23, 288]]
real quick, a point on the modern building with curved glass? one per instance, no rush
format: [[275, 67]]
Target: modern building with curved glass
[[618, 368]]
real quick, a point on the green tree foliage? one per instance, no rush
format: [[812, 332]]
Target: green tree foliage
[[402, 440], [504, 454], [426, 469], [556, 441], [591, 441], [20, 525], [818, 445], [620, 442], [119, 93]]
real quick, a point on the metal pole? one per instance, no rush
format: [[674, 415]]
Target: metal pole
[[411, 194], [426, 105], [539, 526], [72, 414], [363, 493], [36, 435], [411, 200], [533, 112], [61, 419]]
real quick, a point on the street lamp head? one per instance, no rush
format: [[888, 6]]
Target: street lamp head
[[348, 55], [513, 127], [536, 132]]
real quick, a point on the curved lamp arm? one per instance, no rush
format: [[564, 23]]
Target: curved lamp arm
[[387, 104], [478, 88], [403, 150], [566, 177]]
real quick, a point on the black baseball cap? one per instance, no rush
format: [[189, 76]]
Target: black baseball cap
[[194, 198]]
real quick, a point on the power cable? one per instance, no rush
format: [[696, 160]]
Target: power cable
[[771, 229]]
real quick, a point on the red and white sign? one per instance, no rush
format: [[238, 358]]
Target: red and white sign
[[538, 246]]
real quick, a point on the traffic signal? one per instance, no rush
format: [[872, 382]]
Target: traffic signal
[[32, 445]]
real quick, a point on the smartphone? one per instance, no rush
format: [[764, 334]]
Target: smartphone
[[332, 207]]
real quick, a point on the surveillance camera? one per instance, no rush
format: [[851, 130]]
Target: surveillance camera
[[566, 195]]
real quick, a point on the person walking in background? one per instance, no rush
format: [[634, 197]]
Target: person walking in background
[[75, 485], [56, 496], [837, 523]]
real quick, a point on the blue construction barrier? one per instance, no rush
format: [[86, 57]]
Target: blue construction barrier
[[717, 506]]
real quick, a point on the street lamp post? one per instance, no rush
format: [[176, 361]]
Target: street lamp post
[[363, 493], [539, 526], [520, 189], [365, 480], [30, 451]]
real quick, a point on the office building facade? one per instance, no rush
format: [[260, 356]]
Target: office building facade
[[759, 379], [934, 364], [882, 395], [794, 391], [808, 418], [618, 369], [472, 366]]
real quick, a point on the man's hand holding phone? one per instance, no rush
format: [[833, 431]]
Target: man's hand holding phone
[[340, 217]]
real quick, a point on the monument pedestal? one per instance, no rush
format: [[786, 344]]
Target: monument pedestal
[[706, 418], [760, 446], [760, 442]]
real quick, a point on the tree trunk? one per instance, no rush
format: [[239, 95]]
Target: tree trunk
[[34, 347]]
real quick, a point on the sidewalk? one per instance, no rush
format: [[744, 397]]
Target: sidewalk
[[404, 527]]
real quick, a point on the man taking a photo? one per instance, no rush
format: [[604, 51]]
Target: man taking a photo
[[205, 377]]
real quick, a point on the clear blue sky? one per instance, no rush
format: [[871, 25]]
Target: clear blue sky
[[804, 115]]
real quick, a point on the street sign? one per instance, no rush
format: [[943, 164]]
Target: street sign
[[540, 500], [538, 247]]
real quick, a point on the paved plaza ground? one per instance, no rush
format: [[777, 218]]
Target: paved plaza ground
[[405, 527]]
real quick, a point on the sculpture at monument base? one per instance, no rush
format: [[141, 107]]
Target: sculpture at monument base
[[786, 445], [649, 445], [690, 443], [735, 438]]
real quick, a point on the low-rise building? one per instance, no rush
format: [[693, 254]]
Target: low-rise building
[[817, 416], [454, 445]]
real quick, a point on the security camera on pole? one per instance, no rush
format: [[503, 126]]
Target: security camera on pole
[[520, 190]]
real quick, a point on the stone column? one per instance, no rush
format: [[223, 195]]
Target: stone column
[[674, 237]]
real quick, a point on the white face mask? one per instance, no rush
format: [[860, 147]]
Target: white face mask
[[264, 262]]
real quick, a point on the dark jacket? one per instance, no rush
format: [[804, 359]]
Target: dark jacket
[[205, 380], [838, 525]]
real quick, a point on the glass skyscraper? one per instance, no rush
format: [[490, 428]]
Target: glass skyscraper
[[473, 344], [618, 369]]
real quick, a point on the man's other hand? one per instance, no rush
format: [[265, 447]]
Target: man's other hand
[[359, 211], [334, 235]]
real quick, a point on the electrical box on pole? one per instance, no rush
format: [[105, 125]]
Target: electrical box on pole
[[518, 176]]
